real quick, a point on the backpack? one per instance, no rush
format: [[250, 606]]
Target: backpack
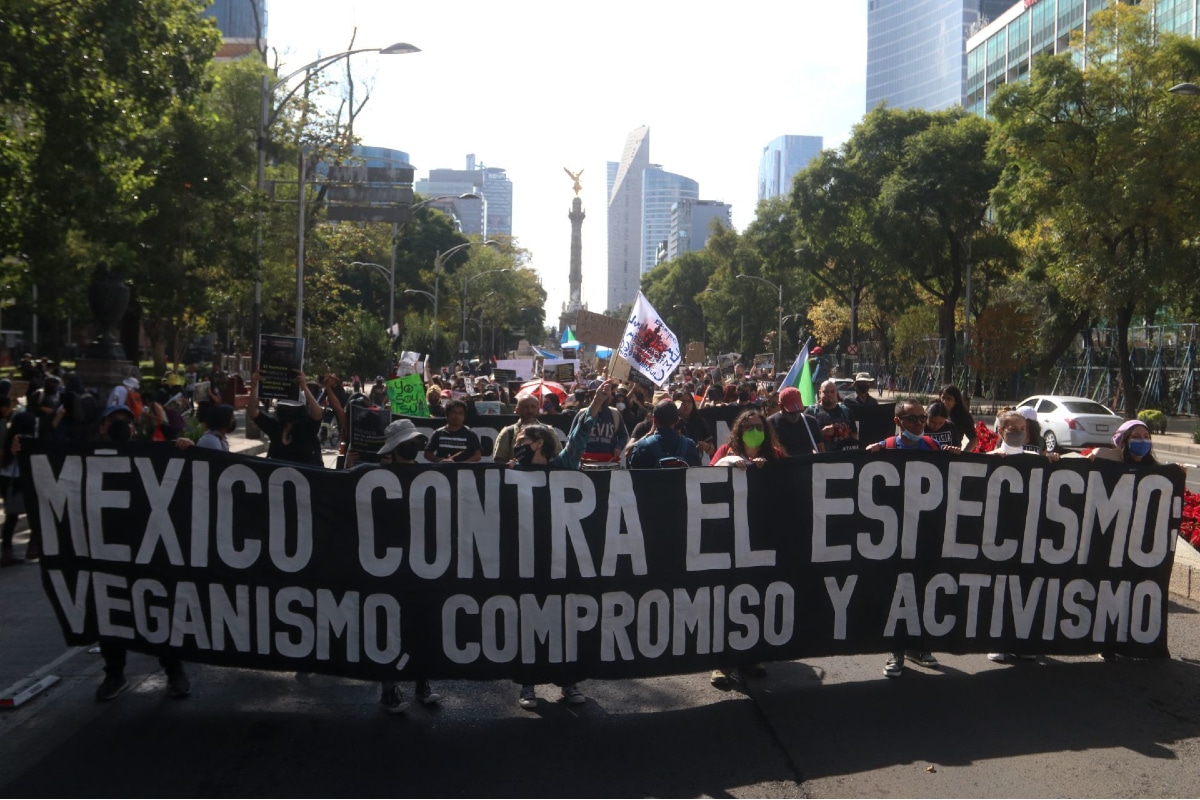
[[891, 443], [134, 401]]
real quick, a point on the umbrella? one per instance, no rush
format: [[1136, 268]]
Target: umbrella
[[541, 388]]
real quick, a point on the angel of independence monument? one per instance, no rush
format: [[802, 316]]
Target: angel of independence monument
[[575, 303]]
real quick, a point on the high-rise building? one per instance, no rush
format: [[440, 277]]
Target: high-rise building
[[490, 216], [243, 25], [625, 220], [1005, 50], [689, 224], [660, 191], [782, 158], [916, 55]]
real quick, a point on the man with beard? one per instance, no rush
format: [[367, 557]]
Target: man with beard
[[837, 425], [527, 413], [798, 433]]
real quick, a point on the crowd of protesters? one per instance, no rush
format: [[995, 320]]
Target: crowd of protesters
[[615, 423]]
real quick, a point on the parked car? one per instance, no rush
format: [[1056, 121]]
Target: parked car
[[1072, 422]]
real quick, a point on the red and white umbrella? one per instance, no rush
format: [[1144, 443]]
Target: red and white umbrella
[[540, 388]]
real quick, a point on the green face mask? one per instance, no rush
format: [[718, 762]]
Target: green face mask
[[753, 438]]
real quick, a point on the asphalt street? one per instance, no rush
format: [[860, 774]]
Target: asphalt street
[[827, 727]]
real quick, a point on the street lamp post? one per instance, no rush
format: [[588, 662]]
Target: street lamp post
[[266, 119], [779, 334], [466, 283], [390, 274]]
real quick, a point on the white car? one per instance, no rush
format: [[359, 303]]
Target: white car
[[1072, 422]]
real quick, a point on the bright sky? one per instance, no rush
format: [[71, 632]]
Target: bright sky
[[535, 86]]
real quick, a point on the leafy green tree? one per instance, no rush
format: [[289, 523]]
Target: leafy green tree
[[85, 87], [1104, 157]]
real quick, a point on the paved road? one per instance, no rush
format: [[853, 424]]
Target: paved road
[[825, 727], [816, 728]]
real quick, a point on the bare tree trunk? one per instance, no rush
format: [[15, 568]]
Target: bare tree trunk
[[1132, 392]]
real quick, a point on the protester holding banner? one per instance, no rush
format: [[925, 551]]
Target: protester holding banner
[[960, 415], [837, 424], [940, 428], [798, 433], [911, 418], [295, 429], [402, 444], [1131, 445], [692, 424], [454, 441], [751, 442], [532, 450]]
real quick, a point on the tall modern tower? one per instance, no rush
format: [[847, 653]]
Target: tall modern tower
[[782, 158], [625, 220], [916, 50], [660, 191], [490, 216]]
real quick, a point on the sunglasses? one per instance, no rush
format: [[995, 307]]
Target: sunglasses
[[913, 418]]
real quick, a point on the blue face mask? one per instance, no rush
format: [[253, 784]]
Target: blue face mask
[[909, 436], [1140, 447]]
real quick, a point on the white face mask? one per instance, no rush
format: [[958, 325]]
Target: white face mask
[[620, 406]]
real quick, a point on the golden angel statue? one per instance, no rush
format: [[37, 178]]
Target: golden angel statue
[[574, 177]]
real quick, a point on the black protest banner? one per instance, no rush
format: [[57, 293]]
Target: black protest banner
[[485, 572]]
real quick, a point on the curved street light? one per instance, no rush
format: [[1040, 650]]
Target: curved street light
[[779, 335], [467, 280], [439, 267], [266, 119]]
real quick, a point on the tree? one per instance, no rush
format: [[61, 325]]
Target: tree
[[84, 88], [1103, 157], [1003, 336]]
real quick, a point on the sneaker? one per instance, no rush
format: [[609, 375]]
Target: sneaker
[[33, 554], [1108, 656], [112, 686], [528, 698], [894, 666], [426, 694], [391, 700], [572, 695], [999, 658], [720, 679], [923, 657], [178, 684]]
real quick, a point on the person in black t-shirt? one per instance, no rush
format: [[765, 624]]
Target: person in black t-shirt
[[837, 425], [454, 441], [295, 429], [940, 428], [797, 432]]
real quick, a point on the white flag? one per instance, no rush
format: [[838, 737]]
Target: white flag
[[648, 344]]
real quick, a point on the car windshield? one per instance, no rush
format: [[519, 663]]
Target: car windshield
[[1087, 407]]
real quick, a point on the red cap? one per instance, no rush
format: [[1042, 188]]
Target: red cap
[[790, 400]]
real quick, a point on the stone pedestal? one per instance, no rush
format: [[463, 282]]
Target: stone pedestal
[[103, 374]]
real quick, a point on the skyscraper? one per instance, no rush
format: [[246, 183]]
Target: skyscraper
[[491, 216], [660, 191], [916, 50], [689, 224], [625, 220], [782, 158]]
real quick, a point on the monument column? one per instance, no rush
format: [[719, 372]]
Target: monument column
[[576, 216]]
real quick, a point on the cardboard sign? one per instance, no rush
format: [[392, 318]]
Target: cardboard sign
[[564, 373], [406, 395], [594, 328]]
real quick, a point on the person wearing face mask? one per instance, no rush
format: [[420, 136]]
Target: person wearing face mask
[[1131, 445], [1012, 428], [527, 412], [911, 419], [295, 429], [798, 433], [402, 443], [534, 449]]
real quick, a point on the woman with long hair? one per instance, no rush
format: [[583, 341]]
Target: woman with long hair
[[960, 415], [751, 443]]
